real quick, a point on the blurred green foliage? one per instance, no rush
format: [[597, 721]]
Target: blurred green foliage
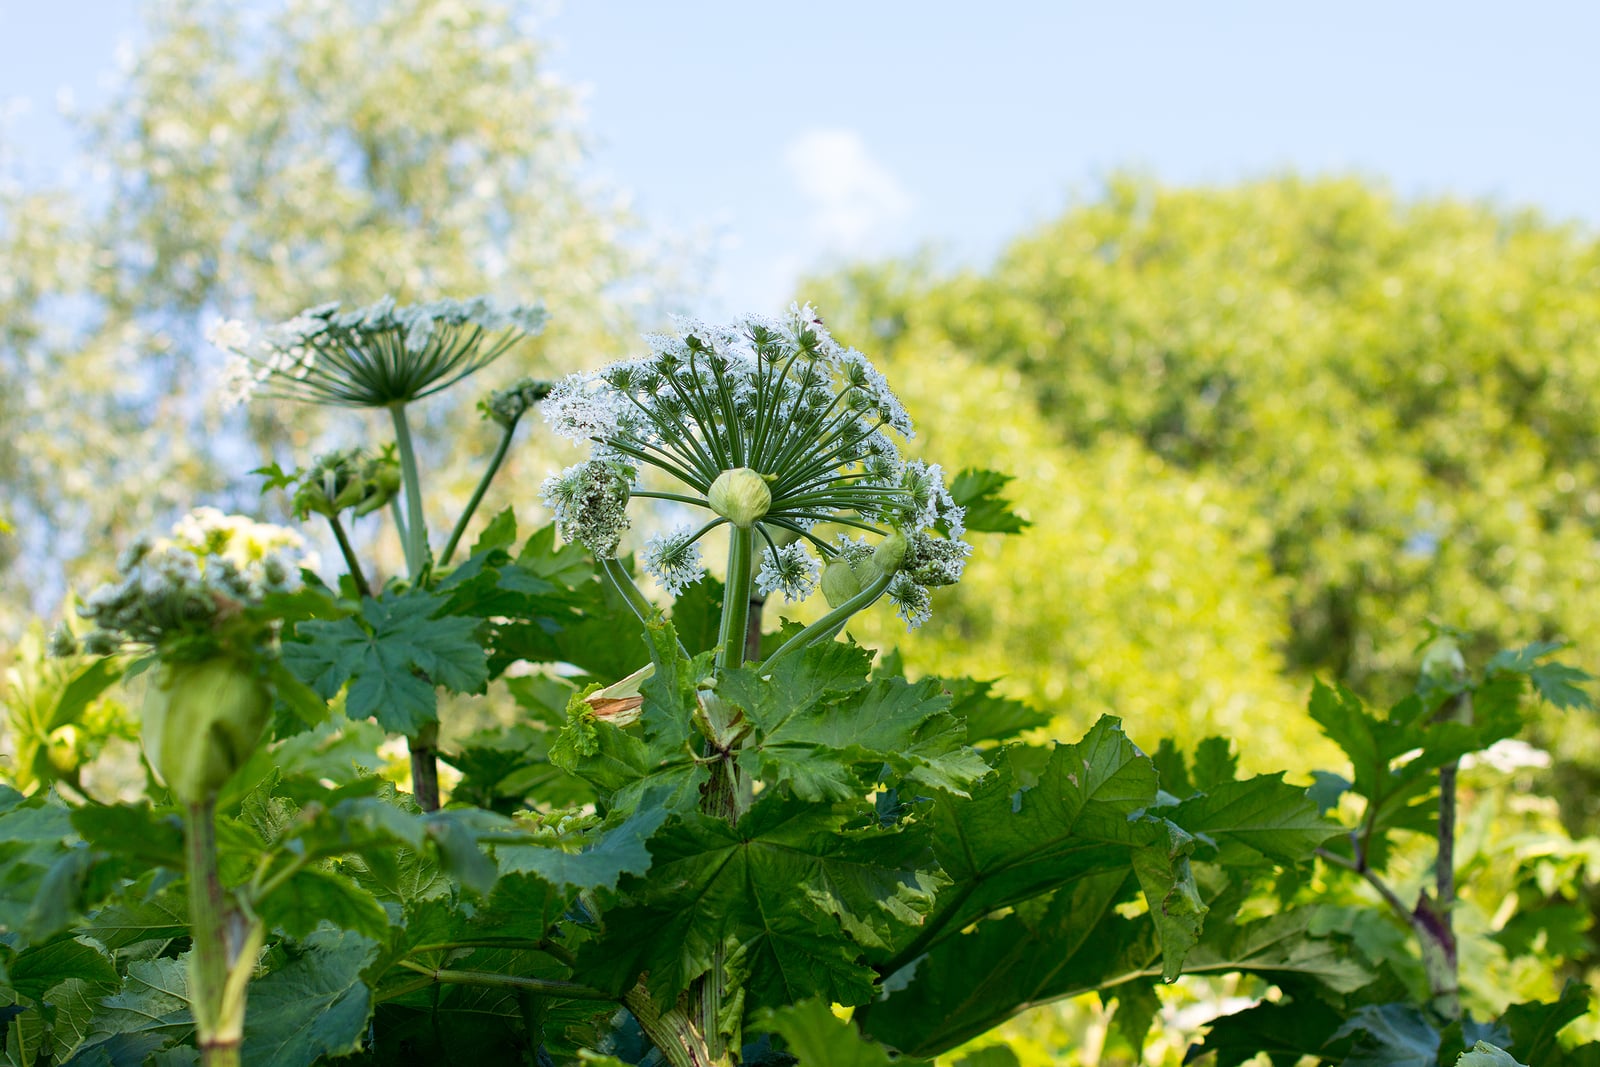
[[1263, 431], [259, 158]]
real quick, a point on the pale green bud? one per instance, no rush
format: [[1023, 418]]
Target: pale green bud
[[890, 553], [740, 495], [839, 583], [1442, 661], [201, 722]]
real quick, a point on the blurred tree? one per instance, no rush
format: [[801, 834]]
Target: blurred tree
[[1400, 397], [261, 160]]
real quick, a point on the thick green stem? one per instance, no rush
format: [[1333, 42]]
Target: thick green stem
[[415, 535], [224, 941], [489, 472], [670, 1031], [425, 767], [830, 623], [424, 744], [350, 559], [736, 598]]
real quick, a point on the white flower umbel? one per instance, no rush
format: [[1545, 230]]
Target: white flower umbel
[[375, 356], [590, 501], [674, 559], [774, 429], [791, 569]]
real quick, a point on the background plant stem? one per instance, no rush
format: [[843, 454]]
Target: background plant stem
[[489, 472], [424, 744]]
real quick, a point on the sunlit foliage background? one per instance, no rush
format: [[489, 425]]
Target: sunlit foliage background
[[1262, 431]]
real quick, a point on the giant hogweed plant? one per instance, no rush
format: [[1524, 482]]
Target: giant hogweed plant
[[695, 837]]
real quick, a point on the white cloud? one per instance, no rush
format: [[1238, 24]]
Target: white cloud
[[854, 199]]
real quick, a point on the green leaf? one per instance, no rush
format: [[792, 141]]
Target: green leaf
[[311, 897], [1285, 1031], [154, 1001], [315, 1005], [607, 857], [1264, 815], [133, 919], [820, 1039], [989, 717], [987, 511], [394, 657], [1484, 1054], [797, 892], [1534, 1025], [816, 718], [1559, 684], [1009, 843], [500, 533], [135, 830], [36, 970], [1390, 1035]]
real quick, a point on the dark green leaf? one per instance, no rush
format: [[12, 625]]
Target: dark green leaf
[[1262, 814], [987, 511], [37, 969], [1534, 1025], [796, 892], [393, 658], [1390, 1035], [315, 1005], [311, 897], [605, 857]]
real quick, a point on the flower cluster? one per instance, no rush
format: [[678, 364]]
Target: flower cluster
[[590, 501], [771, 426], [506, 406], [373, 356], [190, 595], [346, 478]]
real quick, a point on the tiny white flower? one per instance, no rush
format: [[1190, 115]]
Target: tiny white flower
[[791, 569], [674, 559]]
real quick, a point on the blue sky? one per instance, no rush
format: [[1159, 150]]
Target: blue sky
[[781, 137]]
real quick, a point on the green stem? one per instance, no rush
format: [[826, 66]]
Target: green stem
[[671, 1031], [224, 942], [736, 598], [495, 461], [829, 624], [350, 557], [416, 531], [424, 744], [425, 766], [548, 987]]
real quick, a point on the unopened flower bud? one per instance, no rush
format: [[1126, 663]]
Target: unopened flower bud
[[63, 752], [1442, 662], [890, 553], [201, 722], [740, 495], [839, 583]]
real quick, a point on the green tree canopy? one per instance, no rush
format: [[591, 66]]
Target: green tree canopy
[[258, 162], [1390, 403]]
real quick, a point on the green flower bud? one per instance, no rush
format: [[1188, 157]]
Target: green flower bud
[[888, 556], [201, 722], [740, 495], [380, 481], [63, 752], [1442, 662], [839, 583]]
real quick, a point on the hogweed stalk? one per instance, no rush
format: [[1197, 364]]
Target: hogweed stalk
[[389, 356], [776, 431]]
